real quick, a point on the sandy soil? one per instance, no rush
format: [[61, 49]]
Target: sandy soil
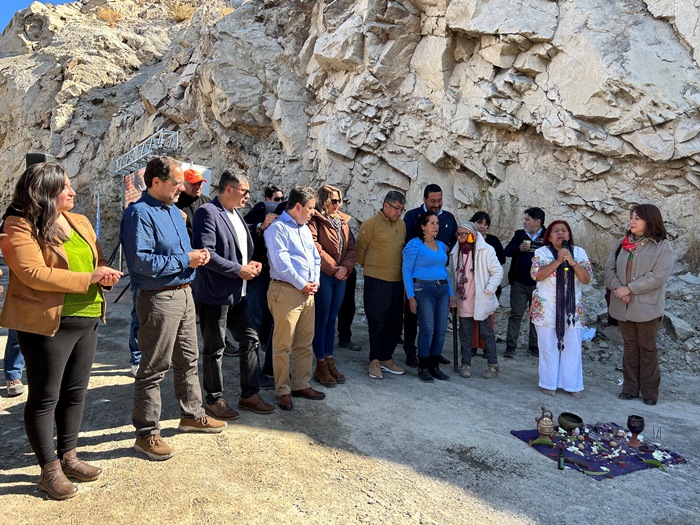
[[391, 451]]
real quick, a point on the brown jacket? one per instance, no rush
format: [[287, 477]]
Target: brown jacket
[[651, 267], [328, 246], [40, 277]]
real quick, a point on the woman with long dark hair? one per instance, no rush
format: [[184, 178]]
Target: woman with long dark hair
[[559, 268], [636, 271], [429, 293], [54, 301]]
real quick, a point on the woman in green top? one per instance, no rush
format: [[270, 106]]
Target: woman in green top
[[54, 300]]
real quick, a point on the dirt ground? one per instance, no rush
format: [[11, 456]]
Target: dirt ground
[[391, 451]]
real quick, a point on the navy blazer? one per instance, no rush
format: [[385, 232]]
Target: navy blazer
[[217, 282]]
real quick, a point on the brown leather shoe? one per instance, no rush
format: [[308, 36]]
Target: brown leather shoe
[[309, 393], [55, 483], [76, 469], [221, 410], [256, 404], [339, 378], [323, 375], [285, 402]]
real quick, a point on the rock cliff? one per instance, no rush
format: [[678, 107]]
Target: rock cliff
[[581, 107]]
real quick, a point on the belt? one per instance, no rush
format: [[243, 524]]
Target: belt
[[434, 281], [281, 281], [176, 287]]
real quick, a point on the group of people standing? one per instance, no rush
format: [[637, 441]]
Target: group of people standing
[[204, 264]]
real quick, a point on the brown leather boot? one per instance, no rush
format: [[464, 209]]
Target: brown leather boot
[[55, 483], [76, 469], [323, 375], [339, 378]]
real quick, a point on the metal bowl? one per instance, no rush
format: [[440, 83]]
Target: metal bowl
[[569, 421]]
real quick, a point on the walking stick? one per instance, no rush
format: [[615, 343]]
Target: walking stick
[[455, 335]]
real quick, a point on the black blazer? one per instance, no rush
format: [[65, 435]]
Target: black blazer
[[218, 282]]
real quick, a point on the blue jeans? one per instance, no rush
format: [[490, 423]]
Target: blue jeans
[[14, 360], [329, 299], [433, 308], [133, 331]]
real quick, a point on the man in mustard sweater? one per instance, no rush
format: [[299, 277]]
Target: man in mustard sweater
[[378, 251]]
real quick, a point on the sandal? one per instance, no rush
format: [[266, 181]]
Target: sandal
[[548, 392], [576, 395]]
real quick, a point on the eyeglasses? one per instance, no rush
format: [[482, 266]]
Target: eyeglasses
[[243, 191], [462, 234], [278, 199], [400, 209], [336, 201]]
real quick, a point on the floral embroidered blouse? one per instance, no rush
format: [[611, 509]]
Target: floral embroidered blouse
[[543, 309]]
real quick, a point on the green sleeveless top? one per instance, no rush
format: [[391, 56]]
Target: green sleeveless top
[[80, 260]]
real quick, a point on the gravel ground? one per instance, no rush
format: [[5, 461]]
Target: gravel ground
[[391, 451]]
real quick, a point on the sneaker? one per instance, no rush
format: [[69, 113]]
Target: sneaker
[[491, 371], [154, 447], [465, 371], [375, 369], [15, 387], [510, 352], [203, 424], [134, 369], [392, 367]]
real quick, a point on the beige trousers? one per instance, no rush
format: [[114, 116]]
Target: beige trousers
[[294, 314]]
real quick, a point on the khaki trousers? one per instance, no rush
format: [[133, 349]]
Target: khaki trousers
[[294, 314]]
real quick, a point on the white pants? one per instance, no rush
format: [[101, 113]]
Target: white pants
[[560, 369]]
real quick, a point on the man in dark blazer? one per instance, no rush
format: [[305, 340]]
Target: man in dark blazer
[[220, 288]]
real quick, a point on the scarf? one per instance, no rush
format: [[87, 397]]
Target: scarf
[[462, 279], [565, 300], [630, 245]]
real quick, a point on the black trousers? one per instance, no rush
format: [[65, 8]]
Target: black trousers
[[58, 373], [214, 319], [347, 309], [383, 301]]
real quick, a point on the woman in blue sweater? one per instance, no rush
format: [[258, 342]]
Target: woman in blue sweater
[[429, 293]]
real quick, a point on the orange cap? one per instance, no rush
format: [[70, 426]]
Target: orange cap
[[193, 177]]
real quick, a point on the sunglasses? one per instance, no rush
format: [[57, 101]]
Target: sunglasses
[[278, 199], [243, 191], [336, 201]]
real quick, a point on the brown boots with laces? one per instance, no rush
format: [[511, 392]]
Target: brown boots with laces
[[327, 374], [54, 476]]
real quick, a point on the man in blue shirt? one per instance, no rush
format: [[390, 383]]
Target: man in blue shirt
[[432, 201], [161, 262], [295, 267]]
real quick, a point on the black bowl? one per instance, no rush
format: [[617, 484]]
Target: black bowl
[[569, 421]]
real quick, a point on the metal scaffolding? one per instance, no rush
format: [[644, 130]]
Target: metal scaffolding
[[163, 142]]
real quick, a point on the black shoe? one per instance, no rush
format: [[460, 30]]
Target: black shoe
[[411, 360], [349, 345], [265, 382], [443, 361], [423, 374], [533, 351], [626, 397], [438, 374], [650, 402], [231, 350], [510, 352], [400, 341]]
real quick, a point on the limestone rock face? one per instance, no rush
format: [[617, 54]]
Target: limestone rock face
[[581, 107]]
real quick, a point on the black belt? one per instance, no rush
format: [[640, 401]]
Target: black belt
[[176, 287], [435, 281]]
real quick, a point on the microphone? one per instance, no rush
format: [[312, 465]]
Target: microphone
[[565, 244]]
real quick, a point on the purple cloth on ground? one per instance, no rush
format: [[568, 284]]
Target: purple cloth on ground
[[590, 462]]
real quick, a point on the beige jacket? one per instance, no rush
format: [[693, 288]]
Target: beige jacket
[[40, 277], [651, 267], [488, 274]]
